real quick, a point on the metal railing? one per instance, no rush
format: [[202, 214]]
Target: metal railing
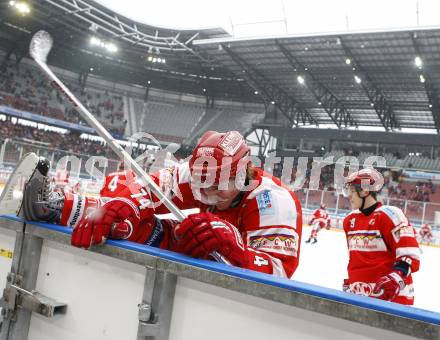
[[11, 151], [417, 212], [303, 297]]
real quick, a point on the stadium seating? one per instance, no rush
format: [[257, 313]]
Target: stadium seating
[[184, 122], [171, 122], [225, 119], [23, 87], [336, 154], [410, 161], [177, 121], [420, 162]]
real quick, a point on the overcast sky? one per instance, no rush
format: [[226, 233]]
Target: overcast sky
[[245, 18]]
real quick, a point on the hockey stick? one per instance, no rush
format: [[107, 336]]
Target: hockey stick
[[39, 49]]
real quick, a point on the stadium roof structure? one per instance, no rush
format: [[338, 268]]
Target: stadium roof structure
[[72, 23], [383, 79], [344, 80]]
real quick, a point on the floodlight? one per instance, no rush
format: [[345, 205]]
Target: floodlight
[[418, 61]]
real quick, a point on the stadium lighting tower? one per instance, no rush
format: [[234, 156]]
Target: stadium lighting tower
[[154, 59], [109, 46], [21, 7]]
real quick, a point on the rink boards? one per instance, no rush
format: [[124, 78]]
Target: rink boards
[[103, 287]]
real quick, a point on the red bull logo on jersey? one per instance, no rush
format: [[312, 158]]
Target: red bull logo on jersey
[[286, 244]]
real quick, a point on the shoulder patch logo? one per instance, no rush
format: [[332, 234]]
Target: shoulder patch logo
[[265, 203], [402, 231]]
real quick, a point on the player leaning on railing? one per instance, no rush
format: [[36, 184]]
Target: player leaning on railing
[[383, 250], [246, 215]]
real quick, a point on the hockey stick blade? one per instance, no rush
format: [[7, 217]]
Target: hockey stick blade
[[40, 46], [9, 204]]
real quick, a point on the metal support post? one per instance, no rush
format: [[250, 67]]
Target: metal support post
[[3, 151], [16, 323], [424, 212], [337, 204], [52, 158], [307, 199], [19, 297], [157, 305]]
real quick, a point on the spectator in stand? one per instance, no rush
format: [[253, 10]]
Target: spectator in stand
[[23, 89]]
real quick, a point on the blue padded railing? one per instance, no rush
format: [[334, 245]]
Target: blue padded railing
[[292, 285]]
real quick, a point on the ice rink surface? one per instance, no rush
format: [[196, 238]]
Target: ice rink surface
[[325, 264]]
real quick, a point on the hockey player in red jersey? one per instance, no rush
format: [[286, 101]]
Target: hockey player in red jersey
[[383, 250], [117, 181], [247, 215], [319, 220], [425, 233]]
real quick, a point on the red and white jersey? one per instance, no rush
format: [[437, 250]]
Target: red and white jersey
[[116, 182], [425, 233], [269, 218], [61, 177], [375, 243], [320, 216], [425, 230]]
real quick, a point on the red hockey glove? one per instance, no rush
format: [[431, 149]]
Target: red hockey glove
[[389, 286], [118, 218], [346, 286], [201, 234]]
